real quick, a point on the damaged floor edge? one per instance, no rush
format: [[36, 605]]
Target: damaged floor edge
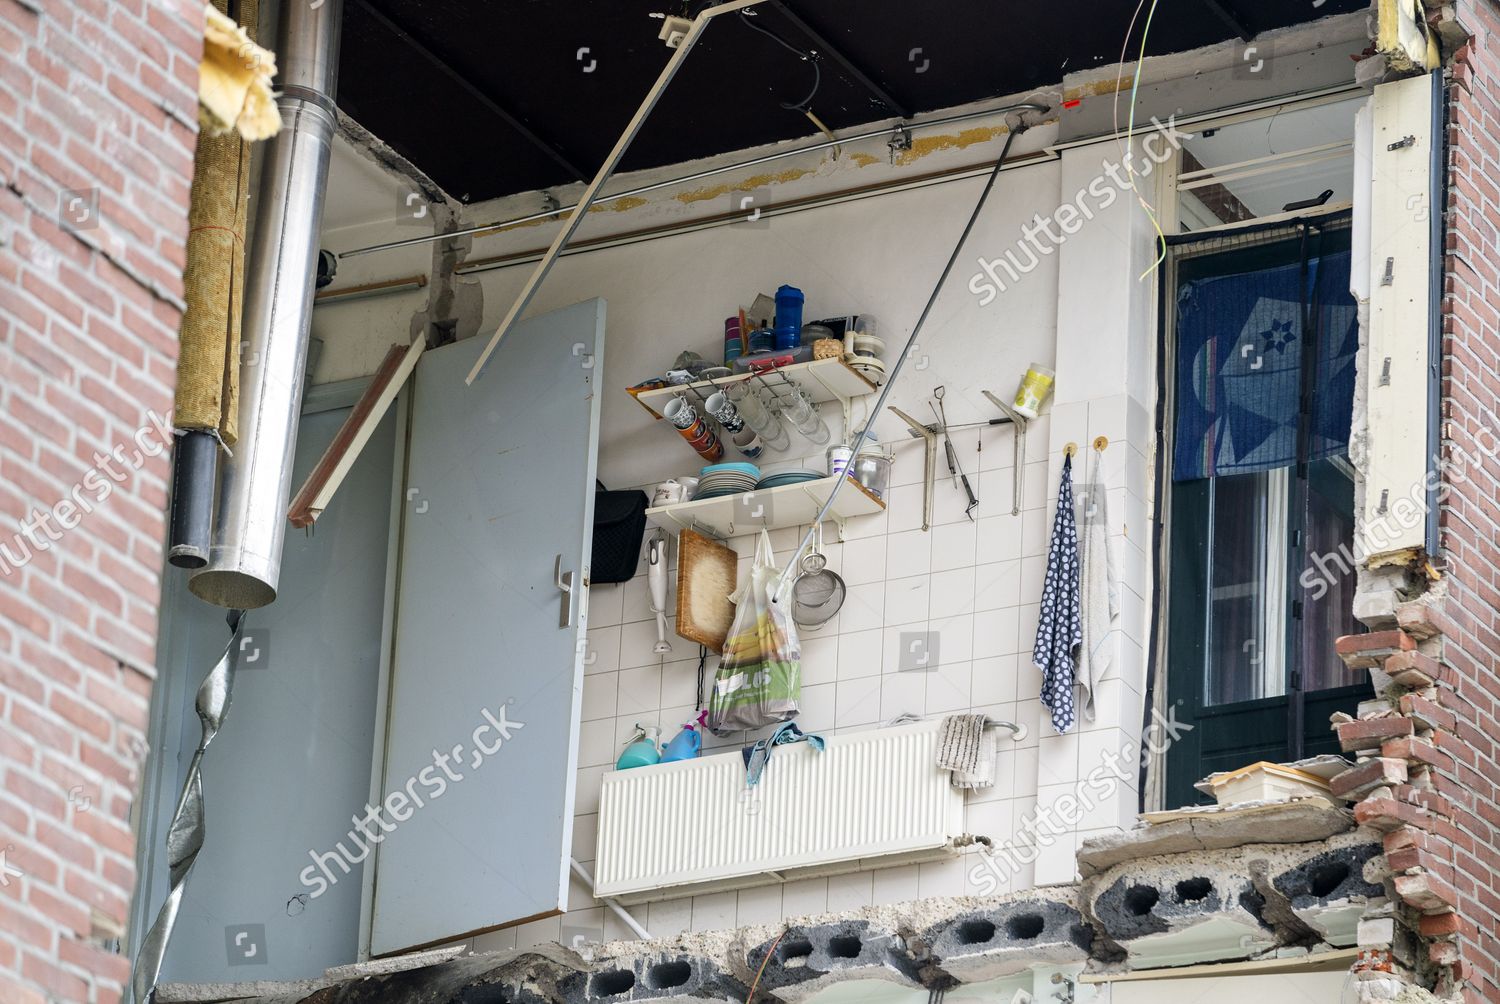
[[1282, 893]]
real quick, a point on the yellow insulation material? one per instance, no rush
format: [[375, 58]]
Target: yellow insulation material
[[208, 374], [234, 78]]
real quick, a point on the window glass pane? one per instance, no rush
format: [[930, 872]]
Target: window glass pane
[[1246, 619], [1328, 578]]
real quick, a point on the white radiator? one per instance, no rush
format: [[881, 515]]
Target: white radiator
[[870, 799]]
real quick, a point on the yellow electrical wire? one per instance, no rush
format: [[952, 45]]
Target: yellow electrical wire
[[1130, 128]]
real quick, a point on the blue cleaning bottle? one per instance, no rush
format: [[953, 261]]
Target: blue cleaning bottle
[[686, 744], [641, 751]]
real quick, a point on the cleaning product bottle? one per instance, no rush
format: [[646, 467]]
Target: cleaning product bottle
[[641, 751], [686, 744]]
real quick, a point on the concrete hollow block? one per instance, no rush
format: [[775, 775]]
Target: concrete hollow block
[[1327, 890], [1172, 912], [652, 976], [1001, 940], [810, 957]]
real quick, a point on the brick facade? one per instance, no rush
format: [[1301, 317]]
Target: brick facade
[[98, 119], [1429, 741], [1469, 772]]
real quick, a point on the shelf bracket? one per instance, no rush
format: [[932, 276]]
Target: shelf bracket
[[929, 461], [1018, 456]]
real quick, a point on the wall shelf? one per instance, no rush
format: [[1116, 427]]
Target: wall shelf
[[769, 508], [823, 379]]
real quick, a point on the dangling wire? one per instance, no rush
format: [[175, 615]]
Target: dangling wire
[[811, 58], [805, 104], [1127, 157]]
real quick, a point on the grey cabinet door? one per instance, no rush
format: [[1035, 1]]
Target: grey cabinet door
[[487, 671]]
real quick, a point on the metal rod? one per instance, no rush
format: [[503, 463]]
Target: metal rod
[[473, 90], [695, 176], [539, 275], [890, 382], [849, 66], [370, 289]]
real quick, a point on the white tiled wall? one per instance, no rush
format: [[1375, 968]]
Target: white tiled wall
[[976, 583]]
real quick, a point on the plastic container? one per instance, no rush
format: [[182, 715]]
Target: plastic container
[[734, 341], [1036, 385], [761, 340], [686, 745], [872, 469], [788, 327], [640, 751], [838, 458]]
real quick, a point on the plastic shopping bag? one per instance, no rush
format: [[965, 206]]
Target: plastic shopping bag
[[759, 680]]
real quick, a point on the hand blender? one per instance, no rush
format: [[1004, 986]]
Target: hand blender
[[656, 575]]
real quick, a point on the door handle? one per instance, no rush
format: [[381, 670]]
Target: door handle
[[564, 582]]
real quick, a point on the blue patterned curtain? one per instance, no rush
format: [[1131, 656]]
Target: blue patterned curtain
[[1240, 344]]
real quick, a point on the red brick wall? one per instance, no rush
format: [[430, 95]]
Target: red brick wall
[[1470, 519], [98, 98]]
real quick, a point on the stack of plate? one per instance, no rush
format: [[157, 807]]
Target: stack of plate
[[726, 479], [790, 478]]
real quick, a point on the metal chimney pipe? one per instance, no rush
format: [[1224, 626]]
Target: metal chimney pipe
[[244, 561]]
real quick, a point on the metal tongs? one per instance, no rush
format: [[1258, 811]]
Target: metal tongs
[[955, 469]]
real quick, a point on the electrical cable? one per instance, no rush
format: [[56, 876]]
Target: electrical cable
[[1127, 156], [906, 351], [805, 105]]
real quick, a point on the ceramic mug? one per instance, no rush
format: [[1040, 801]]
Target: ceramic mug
[[669, 492], [723, 409], [680, 413], [748, 442]]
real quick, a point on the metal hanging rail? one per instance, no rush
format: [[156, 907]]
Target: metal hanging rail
[[890, 130]]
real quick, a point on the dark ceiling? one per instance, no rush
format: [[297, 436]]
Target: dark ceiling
[[494, 98]]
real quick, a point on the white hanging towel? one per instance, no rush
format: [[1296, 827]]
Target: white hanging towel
[[1098, 587]]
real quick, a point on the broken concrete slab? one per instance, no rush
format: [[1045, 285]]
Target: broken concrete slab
[[1044, 926], [804, 959], [658, 975], [1180, 911], [1214, 827], [1328, 891]]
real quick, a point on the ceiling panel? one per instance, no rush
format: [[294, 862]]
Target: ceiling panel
[[477, 94]]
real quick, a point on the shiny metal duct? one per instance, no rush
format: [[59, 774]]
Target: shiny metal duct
[[244, 561]]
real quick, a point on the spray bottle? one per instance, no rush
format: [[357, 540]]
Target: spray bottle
[[686, 744]]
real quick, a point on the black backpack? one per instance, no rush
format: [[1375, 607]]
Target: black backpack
[[619, 527]]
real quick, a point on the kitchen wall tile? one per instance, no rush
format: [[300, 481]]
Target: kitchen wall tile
[[948, 687], [996, 633], [997, 585], [903, 693], [953, 638], [714, 911], [503, 940], [585, 837], [580, 927], [859, 654], [804, 898], [941, 878], [1057, 759], [863, 609], [605, 604], [864, 561], [818, 708], [599, 693], [908, 553], [601, 651], [857, 702], [994, 680], [759, 906], [906, 600], [820, 657], [998, 538], [894, 885], [953, 545], [904, 508], [640, 690], [951, 593], [851, 892], [596, 743], [665, 918], [638, 643], [538, 932]]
